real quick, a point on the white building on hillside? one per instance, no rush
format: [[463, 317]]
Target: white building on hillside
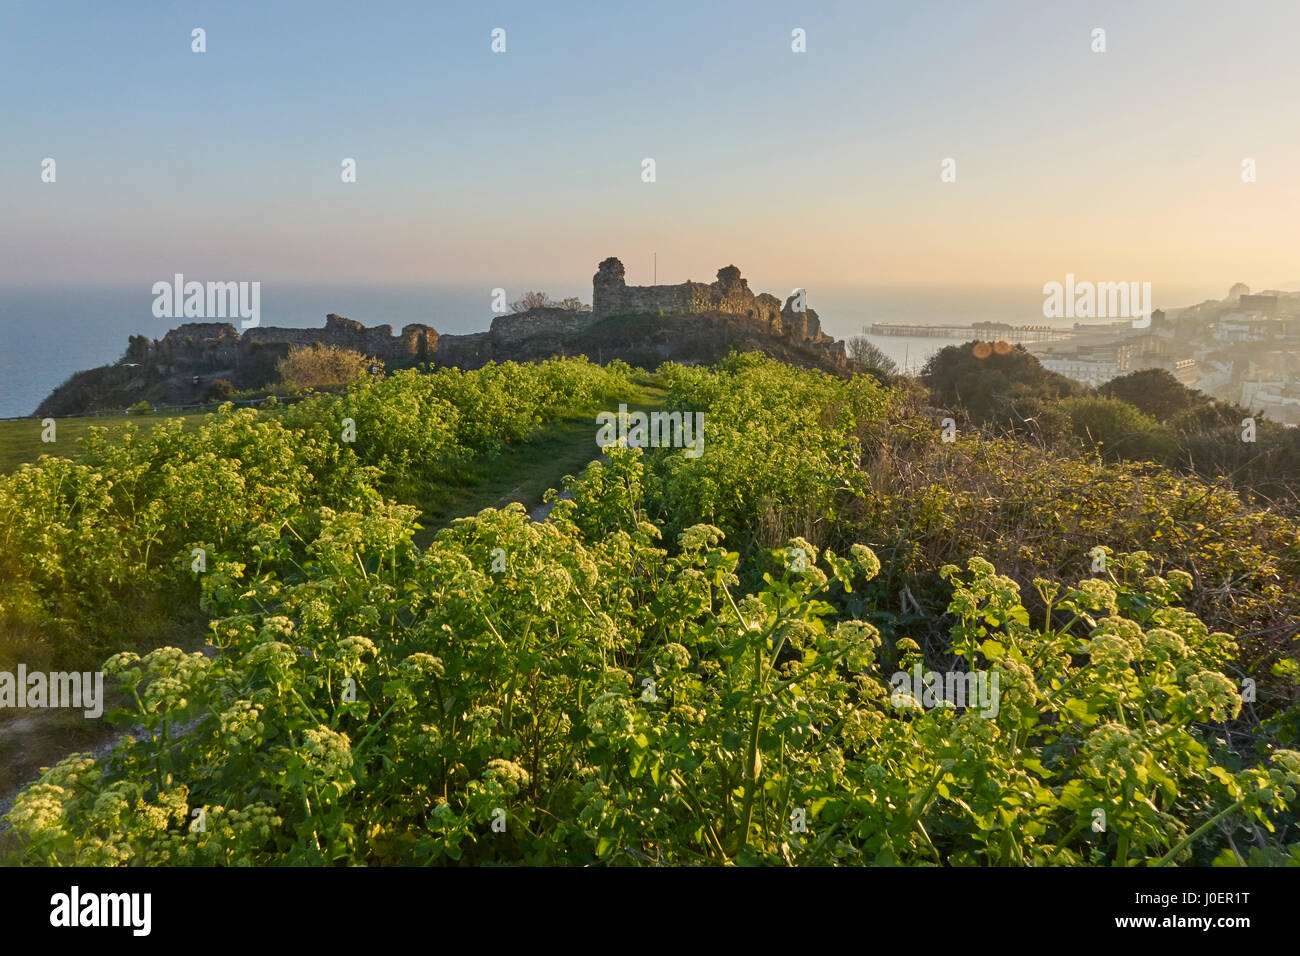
[[1092, 372]]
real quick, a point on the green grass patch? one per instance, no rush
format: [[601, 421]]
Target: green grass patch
[[20, 440]]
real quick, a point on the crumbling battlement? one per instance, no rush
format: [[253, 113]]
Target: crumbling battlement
[[377, 340], [218, 344], [207, 346], [730, 295], [520, 326]]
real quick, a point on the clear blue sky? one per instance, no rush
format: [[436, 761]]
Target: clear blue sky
[[800, 168]]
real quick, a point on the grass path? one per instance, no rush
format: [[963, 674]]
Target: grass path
[[522, 472]]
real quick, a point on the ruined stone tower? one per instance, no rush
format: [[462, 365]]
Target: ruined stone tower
[[730, 294]]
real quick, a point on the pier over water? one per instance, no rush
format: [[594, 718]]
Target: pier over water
[[984, 331]]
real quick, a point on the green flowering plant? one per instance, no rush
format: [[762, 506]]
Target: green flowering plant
[[617, 701], [688, 663]]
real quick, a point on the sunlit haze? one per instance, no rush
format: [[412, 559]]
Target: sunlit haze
[[821, 169]]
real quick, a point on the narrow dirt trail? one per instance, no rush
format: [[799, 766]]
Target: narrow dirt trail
[[528, 470], [27, 742]]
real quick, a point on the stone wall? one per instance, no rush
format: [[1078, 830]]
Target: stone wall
[[198, 346], [377, 340], [802, 325], [465, 351], [730, 295], [219, 345], [212, 344], [509, 329]]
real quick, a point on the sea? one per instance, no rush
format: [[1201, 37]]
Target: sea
[[47, 334]]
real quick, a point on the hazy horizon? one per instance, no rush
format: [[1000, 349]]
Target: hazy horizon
[[52, 332]]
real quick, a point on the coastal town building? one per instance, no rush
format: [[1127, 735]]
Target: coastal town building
[[1278, 399], [1244, 349], [1093, 365]]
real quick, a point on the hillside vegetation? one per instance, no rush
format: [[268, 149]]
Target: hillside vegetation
[[694, 659]]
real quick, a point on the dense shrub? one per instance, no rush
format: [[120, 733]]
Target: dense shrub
[[1004, 386], [1154, 392], [616, 685], [600, 701], [1118, 430], [781, 450], [323, 366], [97, 553]]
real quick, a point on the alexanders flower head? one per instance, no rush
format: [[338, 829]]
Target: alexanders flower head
[[1096, 595], [866, 560], [508, 774], [1163, 645], [1113, 746], [328, 753], [1211, 696], [1110, 652]]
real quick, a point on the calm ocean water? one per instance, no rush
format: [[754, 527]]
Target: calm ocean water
[[48, 334]]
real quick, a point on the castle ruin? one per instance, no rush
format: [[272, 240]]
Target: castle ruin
[[219, 345], [729, 295], [214, 345]]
